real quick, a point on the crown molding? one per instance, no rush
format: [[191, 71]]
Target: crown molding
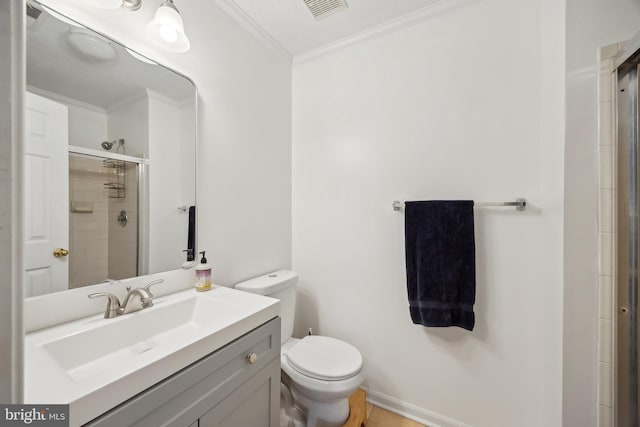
[[418, 15], [66, 100], [249, 24]]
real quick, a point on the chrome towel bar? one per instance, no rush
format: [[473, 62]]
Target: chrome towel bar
[[519, 204]]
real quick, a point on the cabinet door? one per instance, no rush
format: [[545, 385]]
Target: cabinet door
[[256, 403], [182, 398]]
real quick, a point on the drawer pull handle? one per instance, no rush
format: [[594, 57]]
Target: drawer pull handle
[[252, 358]]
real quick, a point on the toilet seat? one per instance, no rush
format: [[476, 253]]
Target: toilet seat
[[325, 358]]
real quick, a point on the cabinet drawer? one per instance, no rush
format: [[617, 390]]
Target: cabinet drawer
[[182, 398]]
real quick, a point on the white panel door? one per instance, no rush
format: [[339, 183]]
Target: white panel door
[[46, 166]]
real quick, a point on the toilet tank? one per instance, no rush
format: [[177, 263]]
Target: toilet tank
[[280, 285]]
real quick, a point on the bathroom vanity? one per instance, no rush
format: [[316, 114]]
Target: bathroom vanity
[[192, 359], [237, 385]]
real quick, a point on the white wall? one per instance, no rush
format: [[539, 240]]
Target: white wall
[[244, 132], [167, 225], [187, 153], [125, 122], [451, 107], [87, 127], [12, 83], [591, 24]]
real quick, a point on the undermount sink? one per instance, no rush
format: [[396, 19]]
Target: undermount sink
[[170, 325], [93, 364]]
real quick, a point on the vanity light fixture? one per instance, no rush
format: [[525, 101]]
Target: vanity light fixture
[[167, 28], [114, 4], [131, 4]]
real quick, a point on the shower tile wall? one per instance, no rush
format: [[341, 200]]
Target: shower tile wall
[[606, 236], [123, 241], [88, 232]]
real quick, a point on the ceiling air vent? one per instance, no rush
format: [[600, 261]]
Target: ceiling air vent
[[321, 8]]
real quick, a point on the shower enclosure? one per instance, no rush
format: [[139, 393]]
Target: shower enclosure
[[626, 388], [103, 218]]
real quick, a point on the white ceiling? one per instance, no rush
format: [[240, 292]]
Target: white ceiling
[[291, 25]]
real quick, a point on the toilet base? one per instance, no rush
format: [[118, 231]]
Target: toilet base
[[320, 414], [291, 415]]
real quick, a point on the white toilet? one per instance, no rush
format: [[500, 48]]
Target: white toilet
[[319, 372]]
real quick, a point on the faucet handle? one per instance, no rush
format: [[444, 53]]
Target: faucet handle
[[113, 303], [149, 285]]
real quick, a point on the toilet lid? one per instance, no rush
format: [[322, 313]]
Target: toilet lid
[[325, 358]]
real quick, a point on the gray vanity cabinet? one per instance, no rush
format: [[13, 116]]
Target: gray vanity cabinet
[[249, 405], [236, 386]]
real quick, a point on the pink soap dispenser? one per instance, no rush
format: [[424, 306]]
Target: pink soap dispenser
[[203, 275]]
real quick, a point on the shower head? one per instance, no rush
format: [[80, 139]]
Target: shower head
[[108, 145]]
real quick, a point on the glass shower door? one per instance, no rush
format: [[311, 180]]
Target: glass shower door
[[103, 219]]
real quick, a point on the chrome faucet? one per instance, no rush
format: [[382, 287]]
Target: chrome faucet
[[136, 299]]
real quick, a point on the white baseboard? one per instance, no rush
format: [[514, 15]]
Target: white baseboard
[[410, 411]]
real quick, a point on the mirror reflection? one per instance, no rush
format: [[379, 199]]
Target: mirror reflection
[[109, 162]]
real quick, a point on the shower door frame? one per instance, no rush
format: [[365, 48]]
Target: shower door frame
[[627, 206], [610, 58]]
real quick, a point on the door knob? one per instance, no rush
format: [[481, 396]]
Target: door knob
[[58, 252]]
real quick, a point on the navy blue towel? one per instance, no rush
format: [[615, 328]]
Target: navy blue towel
[[440, 258]]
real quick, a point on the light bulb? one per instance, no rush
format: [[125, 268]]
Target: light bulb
[[167, 28], [168, 33]]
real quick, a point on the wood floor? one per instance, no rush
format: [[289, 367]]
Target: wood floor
[[363, 414], [378, 417]]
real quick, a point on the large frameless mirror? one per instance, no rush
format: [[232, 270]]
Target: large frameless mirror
[[109, 162]]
